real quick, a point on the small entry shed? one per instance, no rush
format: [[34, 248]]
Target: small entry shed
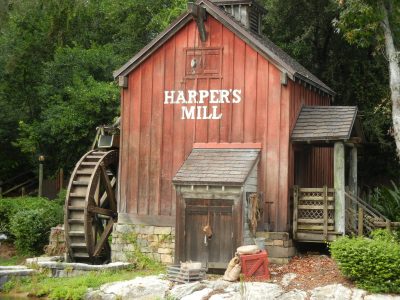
[[212, 186]]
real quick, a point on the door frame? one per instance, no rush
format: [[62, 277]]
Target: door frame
[[185, 192]]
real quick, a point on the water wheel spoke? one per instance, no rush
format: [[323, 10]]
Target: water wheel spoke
[[103, 238], [109, 189], [101, 211], [104, 198]]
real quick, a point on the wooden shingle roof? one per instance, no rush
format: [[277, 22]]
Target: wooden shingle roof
[[217, 166], [261, 44], [324, 123]]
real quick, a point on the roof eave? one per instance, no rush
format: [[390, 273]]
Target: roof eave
[[153, 45]]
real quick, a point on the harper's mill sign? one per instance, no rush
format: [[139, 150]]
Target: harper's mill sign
[[195, 103]]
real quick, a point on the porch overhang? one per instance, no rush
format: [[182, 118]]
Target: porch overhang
[[222, 167], [325, 125]]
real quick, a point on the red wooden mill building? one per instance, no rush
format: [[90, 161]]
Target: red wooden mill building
[[220, 127]]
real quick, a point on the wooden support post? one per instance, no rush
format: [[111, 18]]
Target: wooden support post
[[61, 175], [360, 221], [40, 189], [388, 225], [353, 172], [339, 175], [23, 191], [325, 195], [1, 192], [295, 204], [353, 188]]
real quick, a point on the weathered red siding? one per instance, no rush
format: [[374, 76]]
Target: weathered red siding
[[156, 141]]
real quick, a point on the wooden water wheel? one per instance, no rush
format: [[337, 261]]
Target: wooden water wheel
[[91, 207]]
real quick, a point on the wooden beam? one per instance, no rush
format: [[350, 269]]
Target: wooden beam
[[199, 13], [227, 146], [295, 212], [339, 183], [109, 189], [104, 237]]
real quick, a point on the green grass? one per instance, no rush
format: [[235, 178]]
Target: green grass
[[71, 288], [15, 260]]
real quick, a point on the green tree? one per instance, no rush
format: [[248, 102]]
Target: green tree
[[376, 23]]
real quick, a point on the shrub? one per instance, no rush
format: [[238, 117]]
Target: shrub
[[387, 201], [372, 263], [27, 221]]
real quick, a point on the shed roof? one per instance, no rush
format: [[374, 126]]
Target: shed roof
[[260, 43], [323, 123], [217, 166]]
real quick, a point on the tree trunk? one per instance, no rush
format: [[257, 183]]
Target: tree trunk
[[394, 73]]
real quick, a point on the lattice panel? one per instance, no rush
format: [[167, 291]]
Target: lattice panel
[[311, 213]]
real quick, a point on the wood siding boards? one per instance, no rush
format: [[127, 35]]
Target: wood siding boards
[[324, 123], [260, 44], [216, 166], [156, 141]]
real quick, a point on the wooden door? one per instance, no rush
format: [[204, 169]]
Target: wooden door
[[219, 249]]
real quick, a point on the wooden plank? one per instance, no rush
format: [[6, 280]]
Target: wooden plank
[[156, 142], [125, 218], [227, 146], [133, 142], [202, 125], [102, 211], [315, 221], [250, 95], [326, 227], [167, 133], [215, 84], [103, 239], [145, 135], [284, 138], [227, 83], [110, 193], [316, 198], [273, 143], [316, 227], [295, 209], [321, 207], [360, 221], [339, 169], [238, 83], [316, 237]]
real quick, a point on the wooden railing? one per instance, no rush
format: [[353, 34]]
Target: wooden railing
[[19, 185], [362, 219], [314, 214]]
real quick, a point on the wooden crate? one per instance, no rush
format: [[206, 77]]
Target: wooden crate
[[175, 273], [255, 266]]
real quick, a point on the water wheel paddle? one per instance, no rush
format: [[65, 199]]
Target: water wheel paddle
[[91, 207]]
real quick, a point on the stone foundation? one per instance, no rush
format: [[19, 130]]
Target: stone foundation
[[157, 243], [279, 246]]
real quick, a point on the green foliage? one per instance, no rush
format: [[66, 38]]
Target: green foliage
[[137, 258], [56, 81], [73, 288], [387, 201], [27, 221], [358, 75], [373, 264]]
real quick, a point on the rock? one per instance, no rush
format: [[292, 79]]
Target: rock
[[255, 290], [358, 294], [198, 295], [182, 290], [141, 288], [287, 279], [293, 295], [333, 291]]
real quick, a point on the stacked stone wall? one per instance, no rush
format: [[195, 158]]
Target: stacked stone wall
[[157, 243], [279, 246]]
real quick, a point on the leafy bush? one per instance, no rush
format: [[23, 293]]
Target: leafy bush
[[387, 201], [372, 263], [27, 221]]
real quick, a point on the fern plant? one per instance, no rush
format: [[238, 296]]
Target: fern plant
[[387, 201]]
